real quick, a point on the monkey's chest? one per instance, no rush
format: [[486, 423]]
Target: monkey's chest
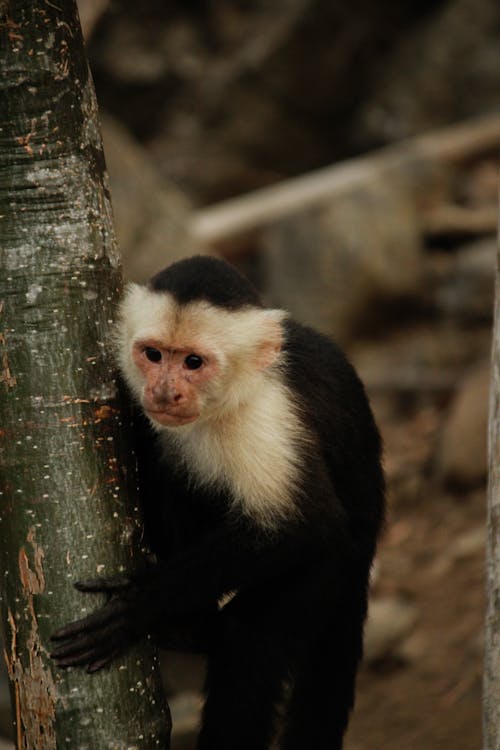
[[196, 515]]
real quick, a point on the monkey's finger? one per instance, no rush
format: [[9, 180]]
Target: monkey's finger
[[93, 645], [104, 661], [79, 626], [83, 644], [103, 585], [95, 621], [67, 631], [81, 658], [76, 660]]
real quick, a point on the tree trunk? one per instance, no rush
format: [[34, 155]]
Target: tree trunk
[[67, 503], [491, 701]]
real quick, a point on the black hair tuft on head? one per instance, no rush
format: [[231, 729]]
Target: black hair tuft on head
[[206, 278]]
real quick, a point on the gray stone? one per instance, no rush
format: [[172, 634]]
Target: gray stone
[[461, 285], [389, 620], [332, 266], [186, 714]]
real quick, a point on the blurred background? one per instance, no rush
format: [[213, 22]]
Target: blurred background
[[344, 156]]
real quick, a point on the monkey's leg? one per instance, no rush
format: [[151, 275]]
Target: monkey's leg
[[193, 633], [244, 682], [323, 693]]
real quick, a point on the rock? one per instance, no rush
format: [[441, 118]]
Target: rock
[[150, 215], [186, 714], [419, 361], [333, 266], [462, 457], [389, 621], [462, 285], [469, 544], [182, 672], [415, 647]]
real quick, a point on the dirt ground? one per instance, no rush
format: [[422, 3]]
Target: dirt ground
[[425, 694]]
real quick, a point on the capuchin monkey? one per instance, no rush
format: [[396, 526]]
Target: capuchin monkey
[[263, 498]]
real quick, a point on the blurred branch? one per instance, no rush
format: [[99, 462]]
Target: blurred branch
[[255, 210], [452, 219]]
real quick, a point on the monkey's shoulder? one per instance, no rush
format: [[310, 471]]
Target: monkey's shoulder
[[317, 368], [332, 398]]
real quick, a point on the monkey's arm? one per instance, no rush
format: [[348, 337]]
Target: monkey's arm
[[223, 562]]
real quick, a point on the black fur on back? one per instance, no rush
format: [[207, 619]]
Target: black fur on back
[[206, 278], [337, 409]]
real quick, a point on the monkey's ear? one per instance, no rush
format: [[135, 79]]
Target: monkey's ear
[[271, 338]]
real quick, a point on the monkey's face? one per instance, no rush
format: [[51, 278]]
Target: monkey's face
[[193, 361], [175, 381]]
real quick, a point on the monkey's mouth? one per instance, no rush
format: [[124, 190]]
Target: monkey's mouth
[[169, 418]]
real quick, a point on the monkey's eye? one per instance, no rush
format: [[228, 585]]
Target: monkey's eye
[[193, 362], [154, 355]]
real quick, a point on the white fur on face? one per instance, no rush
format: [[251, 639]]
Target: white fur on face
[[142, 315], [249, 437]]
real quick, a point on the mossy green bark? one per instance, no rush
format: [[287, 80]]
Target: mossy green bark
[[67, 491]]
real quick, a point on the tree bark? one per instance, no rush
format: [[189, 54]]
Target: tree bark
[[491, 698], [67, 492]]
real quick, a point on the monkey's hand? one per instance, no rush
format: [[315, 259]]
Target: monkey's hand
[[99, 638]]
